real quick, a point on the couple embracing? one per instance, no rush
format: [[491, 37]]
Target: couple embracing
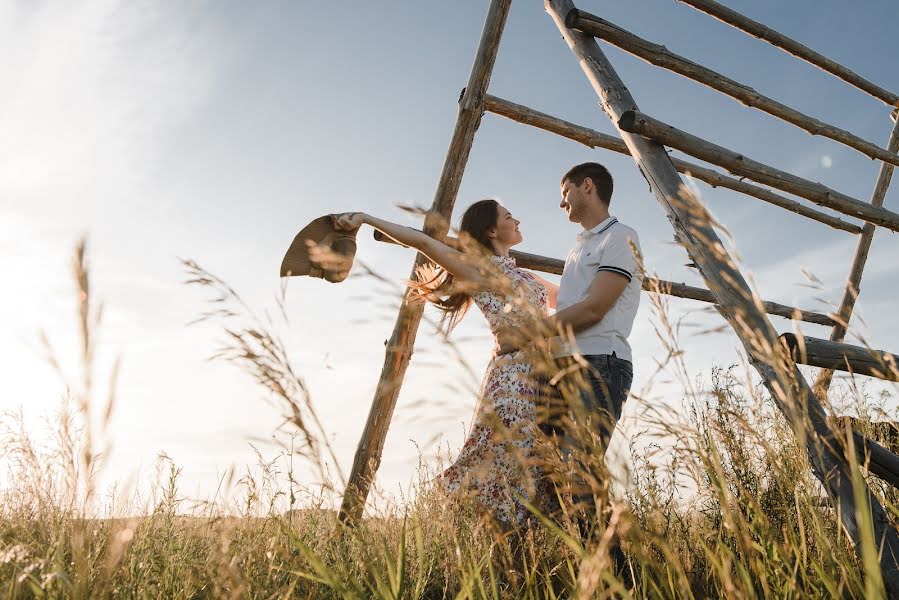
[[557, 382]]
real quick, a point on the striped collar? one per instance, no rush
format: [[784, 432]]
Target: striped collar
[[586, 234]]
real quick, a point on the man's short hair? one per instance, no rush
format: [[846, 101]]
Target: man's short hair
[[597, 173]]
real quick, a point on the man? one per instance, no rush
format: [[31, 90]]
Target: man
[[596, 306], [599, 293]]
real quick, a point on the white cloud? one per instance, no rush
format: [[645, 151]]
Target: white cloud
[[88, 87]]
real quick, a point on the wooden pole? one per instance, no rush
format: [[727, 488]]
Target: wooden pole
[[778, 40], [660, 56], [641, 124], [853, 285], [881, 461], [595, 139], [545, 264], [399, 348], [694, 230], [840, 356]]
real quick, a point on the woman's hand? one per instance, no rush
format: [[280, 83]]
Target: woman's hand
[[349, 221]]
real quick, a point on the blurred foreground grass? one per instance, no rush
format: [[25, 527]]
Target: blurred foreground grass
[[731, 511]]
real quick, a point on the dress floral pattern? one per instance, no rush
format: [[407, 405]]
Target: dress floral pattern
[[495, 466]]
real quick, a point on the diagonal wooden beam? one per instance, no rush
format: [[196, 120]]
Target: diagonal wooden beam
[[779, 40], [595, 139], [693, 228], [853, 285], [399, 348], [660, 56], [634, 121]]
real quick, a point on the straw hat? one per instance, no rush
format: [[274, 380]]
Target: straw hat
[[320, 250]]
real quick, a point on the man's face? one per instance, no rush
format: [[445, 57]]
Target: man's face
[[573, 199]]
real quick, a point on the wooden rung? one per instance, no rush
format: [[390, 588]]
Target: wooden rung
[[881, 461], [595, 139], [554, 266], [779, 40], [660, 56], [840, 356], [641, 124]]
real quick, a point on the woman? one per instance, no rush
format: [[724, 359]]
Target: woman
[[495, 466]]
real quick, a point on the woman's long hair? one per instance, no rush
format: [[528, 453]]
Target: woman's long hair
[[437, 285]]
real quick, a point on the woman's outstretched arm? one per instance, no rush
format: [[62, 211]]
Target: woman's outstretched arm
[[457, 263], [552, 289]]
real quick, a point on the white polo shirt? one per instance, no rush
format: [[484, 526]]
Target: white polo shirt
[[610, 247]]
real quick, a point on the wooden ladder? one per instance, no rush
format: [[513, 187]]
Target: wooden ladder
[[645, 139]]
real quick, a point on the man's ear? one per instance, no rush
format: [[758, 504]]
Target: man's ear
[[588, 185]]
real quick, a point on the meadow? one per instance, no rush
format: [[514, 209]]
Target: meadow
[[732, 511]]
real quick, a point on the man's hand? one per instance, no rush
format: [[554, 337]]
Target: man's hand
[[603, 293], [509, 340]]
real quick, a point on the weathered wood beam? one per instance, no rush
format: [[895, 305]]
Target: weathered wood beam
[[670, 288], [694, 229], [399, 348], [879, 460], [779, 40], [595, 139], [554, 266], [641, 124], [660, 56], [853, 285], [840, 356]]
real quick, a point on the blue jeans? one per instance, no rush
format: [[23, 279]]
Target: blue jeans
[[609, 379], [582, 406], [591, 394]]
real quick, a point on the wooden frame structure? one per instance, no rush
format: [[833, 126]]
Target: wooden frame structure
[[645, 138]]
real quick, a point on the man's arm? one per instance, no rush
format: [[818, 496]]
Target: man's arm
[[605, 290]]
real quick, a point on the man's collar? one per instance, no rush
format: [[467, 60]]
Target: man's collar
[[589, 233]]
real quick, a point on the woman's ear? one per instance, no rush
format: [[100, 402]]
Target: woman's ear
[[492, 233]]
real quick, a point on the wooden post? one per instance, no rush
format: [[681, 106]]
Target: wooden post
[[660, 56], [634, 121], [545, 264], [778, 40], [853, 285], [595, 139], [399, 348], [693, 229]]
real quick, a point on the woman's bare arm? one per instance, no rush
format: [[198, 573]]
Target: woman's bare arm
[[552, 289], [457, 263]]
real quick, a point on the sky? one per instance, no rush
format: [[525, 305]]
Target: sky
[[214, 131]]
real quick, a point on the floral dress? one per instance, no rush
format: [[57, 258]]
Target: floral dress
[[495, 466]]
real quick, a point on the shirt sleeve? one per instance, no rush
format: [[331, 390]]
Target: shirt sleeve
[[618, 253]]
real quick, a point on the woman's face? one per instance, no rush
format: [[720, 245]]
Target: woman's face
[[506, 229]]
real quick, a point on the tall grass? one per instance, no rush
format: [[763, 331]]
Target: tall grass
[[731, 509]]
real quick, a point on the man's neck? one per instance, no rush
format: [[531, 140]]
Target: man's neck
[[595, 218]]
